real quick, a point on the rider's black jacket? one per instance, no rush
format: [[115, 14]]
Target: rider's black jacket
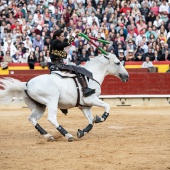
[[57, 49]]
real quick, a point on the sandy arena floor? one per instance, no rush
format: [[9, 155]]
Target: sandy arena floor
[[130, 139]]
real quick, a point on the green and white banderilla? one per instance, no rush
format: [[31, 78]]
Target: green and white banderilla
[[96, 39]]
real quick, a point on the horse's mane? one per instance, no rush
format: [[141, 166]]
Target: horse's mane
[[93, 61]]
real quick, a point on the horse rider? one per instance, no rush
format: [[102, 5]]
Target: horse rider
[[57, 54]]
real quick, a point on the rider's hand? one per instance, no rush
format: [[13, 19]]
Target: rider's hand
[[75, 32]]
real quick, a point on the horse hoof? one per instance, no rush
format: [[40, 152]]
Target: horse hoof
[[80, 133], [71, 139], [50, 139], [97, 119]]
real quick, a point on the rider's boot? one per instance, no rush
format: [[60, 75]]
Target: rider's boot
[[53, 68], [86, 90]]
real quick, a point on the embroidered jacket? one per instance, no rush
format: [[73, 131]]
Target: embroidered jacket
[[57, 48]]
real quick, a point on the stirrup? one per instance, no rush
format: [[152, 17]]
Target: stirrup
[[87, 92]]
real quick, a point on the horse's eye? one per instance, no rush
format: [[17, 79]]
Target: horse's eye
[[118, 63]]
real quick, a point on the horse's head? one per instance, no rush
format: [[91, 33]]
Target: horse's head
[[116, 68]]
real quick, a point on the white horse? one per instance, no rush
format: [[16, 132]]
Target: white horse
[[58, 92]]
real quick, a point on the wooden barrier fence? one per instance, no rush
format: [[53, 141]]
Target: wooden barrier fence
[[140, 82]]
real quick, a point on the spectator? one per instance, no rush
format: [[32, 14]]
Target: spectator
[[167, 55], [1, 54], [61, 23], [98, 14], [47, 58], [139, 57], [68, 59], [80, 25], [131, 35], [144, 10], [47, 41], [23, 49], [135, 10], [130, 55], [162, 37], [31, 60], [22, 9], [151, 17], [164, 7], [125, 8], [91, 19], [141, 25], [16, 58], [131, 44], [31, 7], [139, 37], [91, 51], [38, 42], [158, 53], [74, 58], [25, 56], [112, 19], [150, 54], [27, 42], [37, 52], [66, 16], [121, 57], [80, 9], [41, 60], [135, 5], [147, 63], [51, 8], [8, 46], [84, 57], [155, 9], [90, 8], [6, 60]]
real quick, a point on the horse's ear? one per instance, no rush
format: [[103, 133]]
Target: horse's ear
[[111, 58]]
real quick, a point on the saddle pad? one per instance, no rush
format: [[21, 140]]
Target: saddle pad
[[63, 74]]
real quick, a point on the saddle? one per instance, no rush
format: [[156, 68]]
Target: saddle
[[64, 74], [73, 69]]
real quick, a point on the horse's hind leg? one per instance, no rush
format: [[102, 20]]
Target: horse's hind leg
[[37, 112], [52, 117], [88, 114]]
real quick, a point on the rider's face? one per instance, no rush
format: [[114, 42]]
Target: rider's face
[[61, 37]]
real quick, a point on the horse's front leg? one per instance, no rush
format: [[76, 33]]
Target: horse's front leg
[[95, 101], [52, 118], [87, 113]]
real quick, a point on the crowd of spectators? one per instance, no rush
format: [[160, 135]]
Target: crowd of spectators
[[136, 29]]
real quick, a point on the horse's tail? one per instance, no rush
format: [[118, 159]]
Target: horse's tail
[[10, 88]]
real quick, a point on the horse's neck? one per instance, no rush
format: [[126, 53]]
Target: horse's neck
[[98, 69]]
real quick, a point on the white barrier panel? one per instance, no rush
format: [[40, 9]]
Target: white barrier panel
[[137, 100]]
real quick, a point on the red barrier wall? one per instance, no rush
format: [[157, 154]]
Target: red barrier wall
[[139, 83]]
